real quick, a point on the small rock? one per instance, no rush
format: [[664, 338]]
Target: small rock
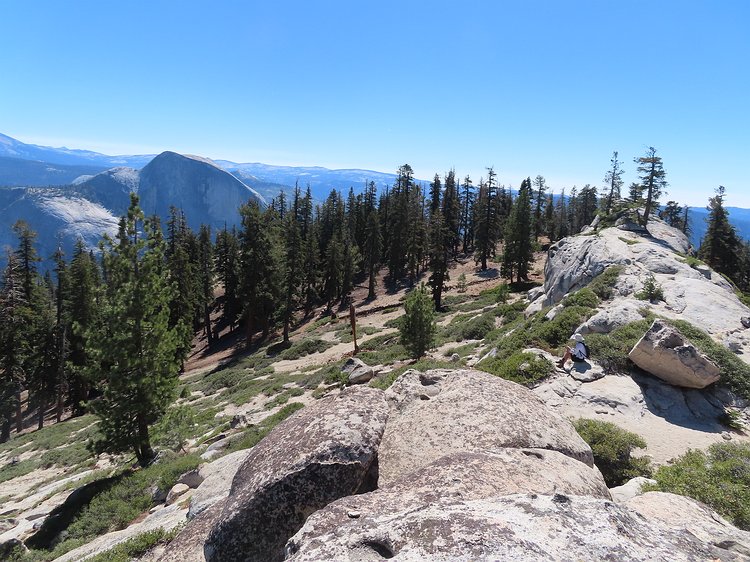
[[353, 514], [745, 321], [191, 479], [631, 489], [239, 420], [176, 491], [726, 436], [157, 494], [455, 358], [359, 372]]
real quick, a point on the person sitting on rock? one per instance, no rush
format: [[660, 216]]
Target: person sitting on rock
[[578, 354]]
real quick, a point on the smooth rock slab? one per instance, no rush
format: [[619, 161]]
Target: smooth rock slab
[[682, 513], [323, 452], [521, 527], [665, 353], [445, 411], [217, 481]]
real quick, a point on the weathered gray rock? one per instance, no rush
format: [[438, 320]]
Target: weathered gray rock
[[687, 515], [445, 411], [612, 317], [664, 352], [217, 481], [192, 478], [187, 546], [521, 527], [502, 472], [629, 225], [586, 371], [324, 452], [175, 493], [359, 372], [630, 489]]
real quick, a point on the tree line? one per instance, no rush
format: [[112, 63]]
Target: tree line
[[110, 330]]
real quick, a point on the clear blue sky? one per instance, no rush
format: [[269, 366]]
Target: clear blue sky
[[531, 87]]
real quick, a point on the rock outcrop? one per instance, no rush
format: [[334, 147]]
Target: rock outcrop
[[664, 352], [698, 295], [324, 452], [526, 527], [687, 515], [445, 411]]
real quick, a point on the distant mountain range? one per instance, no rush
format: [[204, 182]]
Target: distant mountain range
[[68, 193]]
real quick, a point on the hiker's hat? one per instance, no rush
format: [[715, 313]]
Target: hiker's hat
[[578, 337]]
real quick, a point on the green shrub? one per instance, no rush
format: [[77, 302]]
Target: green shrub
[[735, 373], [175, 427], [418, 327], [553, 333], [584, 297], [628, 241], [305, 347], [136, 546], [719, 478], [651, 291], [21, 468], [255, 433], [611, 350], [503, 293], [461, 283], [523, 368], [612, 447], [464, 327], [603, 284]]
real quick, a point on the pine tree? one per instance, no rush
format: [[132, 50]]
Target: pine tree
[[487, 220], [259, 284], [228, 273], [132, 346], [653, 179], [720, 244], [451, 208], [61, 332], [539, 205], [586, 205], [293, 259], [84, 287], [12, 344], [613, 182], [206, 274], [549, 217], [672, 214], [519, 246], [372, 246], [417, 327], [561, 217], [467, 212]]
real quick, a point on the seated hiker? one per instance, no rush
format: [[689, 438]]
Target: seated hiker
[[579, 353]]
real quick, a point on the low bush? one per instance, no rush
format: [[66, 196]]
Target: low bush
[[720, 478], [651, 291], [611, 350], [468, 327], [735, 373], [136, 547], [523, 368], [553, 333], [603, 284], [612, 447], [255, 433], [305, 347], [584, 297]]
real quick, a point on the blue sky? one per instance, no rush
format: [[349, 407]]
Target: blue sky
[[533, 87]]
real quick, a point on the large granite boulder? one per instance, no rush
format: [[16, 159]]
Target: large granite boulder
[[445, 411], [187, 546], [217, 480], [681, 513], [411, 526], [326, 451], [359, 372], [502, 472], [665, 353]]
